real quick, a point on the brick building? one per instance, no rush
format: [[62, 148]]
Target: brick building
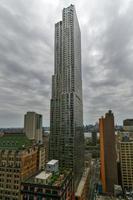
[[18, 160], [49, 185], [108, 152]]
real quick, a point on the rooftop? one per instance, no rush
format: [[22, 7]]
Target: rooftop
[[102, 197], [52, 162], [56, 179], [43, 175], [14, 142]]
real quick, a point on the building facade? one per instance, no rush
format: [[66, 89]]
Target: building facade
[[46, 185], [41, 156], [33, 126], [94, 137], [128, 125], [46, 144], [108, 153], [66, 121], [126, 163], [18, 160], [83, 187]]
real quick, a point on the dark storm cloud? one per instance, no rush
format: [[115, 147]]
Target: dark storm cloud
[[109, 71], [26, 57], [26, 62]]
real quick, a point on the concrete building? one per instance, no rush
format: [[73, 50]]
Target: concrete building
[[33, 126], [18, 160], [66, 121], [52, 166], [47, 185], [108, 153], [42, 154], [128, 125], [126, 162]]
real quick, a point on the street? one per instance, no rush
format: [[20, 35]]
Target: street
[[95, 172]]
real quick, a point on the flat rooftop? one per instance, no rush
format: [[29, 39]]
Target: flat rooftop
[[52, 162], [14, 142], [43, 175], [56, 179]]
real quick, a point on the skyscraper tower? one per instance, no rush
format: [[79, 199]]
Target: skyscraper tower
[[108, 152], [66, 123], [33, 126]]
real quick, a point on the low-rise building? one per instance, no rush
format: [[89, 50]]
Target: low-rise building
[[18, 160], [49, 185]]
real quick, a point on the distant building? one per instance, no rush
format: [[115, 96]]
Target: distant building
[[126, 163], [128, 125], [49, 185], [18, 160], [12, 130], [94, 137], [108, 153], [33, 126]]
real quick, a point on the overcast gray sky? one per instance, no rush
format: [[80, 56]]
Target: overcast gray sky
[[26, 57]]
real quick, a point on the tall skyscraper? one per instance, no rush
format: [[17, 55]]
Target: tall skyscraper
[[108, 152], [33, 126], [66, 123]]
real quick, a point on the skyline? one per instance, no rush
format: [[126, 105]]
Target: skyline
[[27, 52]]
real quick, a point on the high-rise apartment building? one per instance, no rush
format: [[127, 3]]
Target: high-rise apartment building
[[108, 152], [66, 123], [126, 163], [33, 126]]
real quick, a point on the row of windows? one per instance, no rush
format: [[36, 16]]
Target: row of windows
[[9, 170]]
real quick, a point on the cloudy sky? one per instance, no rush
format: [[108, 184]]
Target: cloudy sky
[[26, 57]]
